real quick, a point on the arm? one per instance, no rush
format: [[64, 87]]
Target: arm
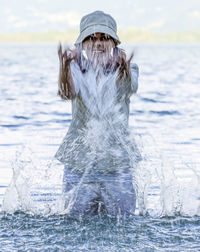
[[128, 72], [66, 88], [121, 62], [134, 70]]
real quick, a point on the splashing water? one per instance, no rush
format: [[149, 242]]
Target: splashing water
[[162, 190], [36, 187]]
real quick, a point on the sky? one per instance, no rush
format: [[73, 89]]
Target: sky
[[61, 15]]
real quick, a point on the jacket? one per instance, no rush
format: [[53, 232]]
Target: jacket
[[98, 137]]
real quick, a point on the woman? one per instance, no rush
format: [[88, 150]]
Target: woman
[[97, 152]]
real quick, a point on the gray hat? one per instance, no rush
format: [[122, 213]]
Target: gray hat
[[95, 22]]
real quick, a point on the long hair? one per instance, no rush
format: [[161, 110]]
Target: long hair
[[66, 88], [120, 61]]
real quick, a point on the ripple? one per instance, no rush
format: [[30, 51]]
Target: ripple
[[99, 233], [60, 113], [165, 112], [137, 112], [12, 125], [149, 100], [21, 117], [10, 145], [185, 142], [10, 99], [195, 139]]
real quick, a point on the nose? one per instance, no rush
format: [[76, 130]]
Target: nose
[[98, 43]]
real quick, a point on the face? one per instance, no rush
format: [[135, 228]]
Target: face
[[98, 47]]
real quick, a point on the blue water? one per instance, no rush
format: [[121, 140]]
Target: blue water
[[165, 118], [32, 233]]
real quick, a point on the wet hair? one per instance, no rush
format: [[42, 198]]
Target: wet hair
[[66, 89]]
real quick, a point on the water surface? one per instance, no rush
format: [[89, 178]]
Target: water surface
[[165, 119]]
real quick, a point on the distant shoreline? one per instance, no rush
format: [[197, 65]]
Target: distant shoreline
[[130, 35]]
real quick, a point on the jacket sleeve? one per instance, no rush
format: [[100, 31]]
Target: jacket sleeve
[[76, 76], [134, 77]]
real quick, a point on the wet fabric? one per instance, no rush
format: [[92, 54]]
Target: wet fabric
[[99, 128], [97, 193]]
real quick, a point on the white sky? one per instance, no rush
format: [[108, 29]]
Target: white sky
[[154, 15]]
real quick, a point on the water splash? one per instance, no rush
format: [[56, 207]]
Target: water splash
[[162, 190], [35, 187]]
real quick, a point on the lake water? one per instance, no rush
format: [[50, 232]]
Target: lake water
[[165, 119]]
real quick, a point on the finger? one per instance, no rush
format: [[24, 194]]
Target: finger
[[65, 55], [59, 50]]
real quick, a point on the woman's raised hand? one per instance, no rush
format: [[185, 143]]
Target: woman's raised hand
[[119, 57], [64, 57], [65, 84]]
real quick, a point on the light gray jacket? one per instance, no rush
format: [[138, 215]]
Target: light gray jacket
[[98, 136]]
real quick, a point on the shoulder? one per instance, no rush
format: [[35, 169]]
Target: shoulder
[[134, 70], [74, 66], [134, 67]]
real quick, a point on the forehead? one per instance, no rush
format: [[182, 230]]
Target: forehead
[[102, 37], [99, 34]]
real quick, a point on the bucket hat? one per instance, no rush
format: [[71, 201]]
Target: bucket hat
[[97, 21]]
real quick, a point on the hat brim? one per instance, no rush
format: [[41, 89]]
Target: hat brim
[[94, 29]]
